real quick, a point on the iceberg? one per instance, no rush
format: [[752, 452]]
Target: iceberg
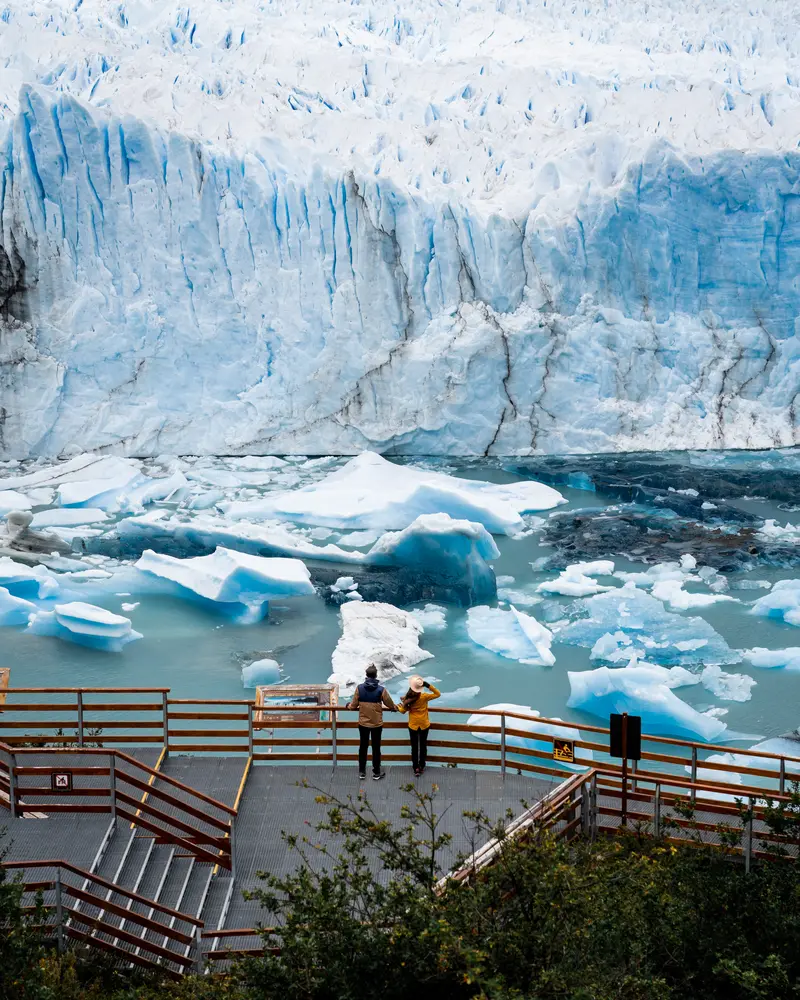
[[432, 617], [15, 610], [86, 625], [13, 500], [373, 632], [512, 634], [104, 480], [371, 493], [67, 517], [671, 592], [665, 637], [767, 659], [645, 690], [485, 717], [238, 584], [783, 601], [576, 580], [27, 581], [265, 671]]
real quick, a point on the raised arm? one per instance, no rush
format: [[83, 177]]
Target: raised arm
[[433, 692]]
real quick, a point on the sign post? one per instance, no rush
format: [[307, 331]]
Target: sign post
[[626, 742]]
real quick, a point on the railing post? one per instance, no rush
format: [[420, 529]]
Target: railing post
[[59, 915], [198, 949], [80, 718], [657, 812], [586, 817], [232, 841], [593, 806], [783, 776], [112, 785], [694, 775], [249, 729], [165, 720], [333, 736], [12, 785], [503, 744], [748, 841]]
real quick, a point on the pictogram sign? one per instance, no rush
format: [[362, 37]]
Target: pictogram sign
[[564, 750], [61, 781]]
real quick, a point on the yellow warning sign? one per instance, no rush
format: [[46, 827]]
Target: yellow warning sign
[[564, 750]]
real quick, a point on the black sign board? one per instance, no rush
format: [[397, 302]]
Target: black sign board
[[626, 730], [564, 750], [61, 781]]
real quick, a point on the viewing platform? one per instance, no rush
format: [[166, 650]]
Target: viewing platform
[[144, 818]]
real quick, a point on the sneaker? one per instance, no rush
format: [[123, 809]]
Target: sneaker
[[377, 777], [417, 772], [362, 775], [422, 769]]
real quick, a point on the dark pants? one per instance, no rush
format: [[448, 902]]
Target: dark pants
[[419, 746], [366, 733]]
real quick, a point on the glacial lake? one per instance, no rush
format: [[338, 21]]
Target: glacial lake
[[197, 653]]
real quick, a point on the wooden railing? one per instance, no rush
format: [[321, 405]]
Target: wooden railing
[[79, 717], [111, 781], [95, 927]]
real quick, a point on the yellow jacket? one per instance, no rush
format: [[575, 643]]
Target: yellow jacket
[[418, 712]]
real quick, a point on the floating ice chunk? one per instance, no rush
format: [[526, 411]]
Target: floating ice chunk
[[788, 658], [728, 687], [688, 561], [452, 551], [86, 625], [257, 462], [101, 482], [373, 632], [67, 517], [149, 489], [460, 695], [511, 634], [353, 595], [432, 617], [370, 492], [12, 500], [344, 583], [204, 500], [14, 610], [243, 582], [27, 581], [575, 580], [485, 718], [266, 671], [783, 601], [654, 574], [645, 690], [522, 598], [129, 606], [673, 594], [645, 620], [614, 648], [751, 585]]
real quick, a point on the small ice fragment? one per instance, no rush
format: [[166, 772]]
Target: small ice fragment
[[432, 617], [266, 671], [130, 607]]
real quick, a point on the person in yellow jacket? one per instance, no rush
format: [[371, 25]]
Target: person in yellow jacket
[[415, 702]]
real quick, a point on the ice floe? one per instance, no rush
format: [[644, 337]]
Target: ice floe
[[432, 617], [15, 610], [371, 493], [512, 634], [86, 625], [576, 580], [768, 659], [27, 581], [671, 592], [67, 517], [373, 632], [242, 585], [12, 500], [645, 690], [659, 634], [783, 601], [487, 717]]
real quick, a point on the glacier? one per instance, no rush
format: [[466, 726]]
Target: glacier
[[513, 227]]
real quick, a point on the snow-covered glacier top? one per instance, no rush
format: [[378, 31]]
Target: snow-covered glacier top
[[442, 228], [506, 103]]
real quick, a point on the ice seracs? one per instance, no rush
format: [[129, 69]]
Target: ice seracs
[[373, 632], [370, 492], [85, 624], [234, 582]]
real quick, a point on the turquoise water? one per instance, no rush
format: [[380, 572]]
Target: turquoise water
[[198, 654]]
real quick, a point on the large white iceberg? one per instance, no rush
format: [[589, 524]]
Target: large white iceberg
[[645, 690], [664, 637], [512, 634], [370, 492], [242, 585], [487, 717], [86, 625], [373, 632]]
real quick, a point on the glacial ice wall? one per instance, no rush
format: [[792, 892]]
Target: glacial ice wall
[[163, 290]]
